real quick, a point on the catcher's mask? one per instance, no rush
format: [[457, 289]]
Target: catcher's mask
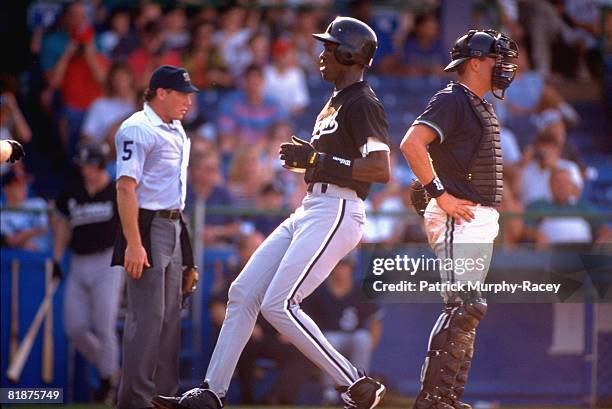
[[488, 43]]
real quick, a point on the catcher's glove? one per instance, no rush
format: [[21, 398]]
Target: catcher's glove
[[190, 282], [419, 197]]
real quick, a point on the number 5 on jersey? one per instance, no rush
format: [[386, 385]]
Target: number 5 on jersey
[[127, 152]]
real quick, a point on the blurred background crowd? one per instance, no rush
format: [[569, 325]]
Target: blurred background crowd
[[79, 68]]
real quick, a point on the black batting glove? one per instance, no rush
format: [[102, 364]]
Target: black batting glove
[[299, 154], [17, 151]]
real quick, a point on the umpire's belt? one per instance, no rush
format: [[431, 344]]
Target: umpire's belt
[[173, 214], [328, 189]]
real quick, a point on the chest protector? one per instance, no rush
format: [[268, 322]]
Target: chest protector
[[485, 173]]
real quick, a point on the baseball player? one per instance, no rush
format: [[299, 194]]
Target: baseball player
[[459, 134], [11, 151], [349, 151], [152, 157], [88, 223]]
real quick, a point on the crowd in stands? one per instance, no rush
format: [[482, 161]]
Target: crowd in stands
[[90, 62]]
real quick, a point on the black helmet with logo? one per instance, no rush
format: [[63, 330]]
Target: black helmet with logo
[[356, 41], [488, 43], [92, 154]]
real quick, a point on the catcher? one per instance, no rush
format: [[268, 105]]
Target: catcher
[[459, 134]]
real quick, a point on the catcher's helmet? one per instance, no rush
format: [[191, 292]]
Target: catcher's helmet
[[488, 43], [356, 41]]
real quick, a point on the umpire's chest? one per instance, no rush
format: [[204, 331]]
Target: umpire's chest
[[171, 148]]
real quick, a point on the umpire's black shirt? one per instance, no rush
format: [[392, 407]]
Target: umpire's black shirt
[[451, 116], [344, 125]]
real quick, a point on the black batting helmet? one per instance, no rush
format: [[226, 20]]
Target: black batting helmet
[[356, 41], [488, 43], [92, 154]]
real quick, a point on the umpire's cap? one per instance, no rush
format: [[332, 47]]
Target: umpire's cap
[[92, 154], [356, 41], [171, 77]]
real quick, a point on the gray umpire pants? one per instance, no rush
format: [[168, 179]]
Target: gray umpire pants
[[289, 265], [91, 301], [151, 339]]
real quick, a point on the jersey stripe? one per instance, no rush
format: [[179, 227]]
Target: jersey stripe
[[293, 316], [432, 126]]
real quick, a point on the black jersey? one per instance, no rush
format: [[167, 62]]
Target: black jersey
[[344, 125], [94, 219], [459, 131]]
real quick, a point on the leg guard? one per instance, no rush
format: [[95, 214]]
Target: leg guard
[[462, 376], [450, 341]]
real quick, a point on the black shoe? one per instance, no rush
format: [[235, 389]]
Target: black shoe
[[364, 393], [196, 398]]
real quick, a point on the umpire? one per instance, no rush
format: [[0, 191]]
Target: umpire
[[152, 156], [459, 132]]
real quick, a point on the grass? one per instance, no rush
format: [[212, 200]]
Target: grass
[[85, 406]]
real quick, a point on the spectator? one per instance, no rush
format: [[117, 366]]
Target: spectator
[[544, 26], [423, 53], [87, 223], [352, 326], [536, 166], [204, 60], [247, 175], [149, 11], [233, 36], [501, 15], [559, 228], [283, 75], [246, 115], [74, 67], [513, 231], [271, 199], [256, 52], [174, 22], [118, 41], [206, 186], [531, 96], [391, 29], [25, 225], [107, 112], [151, 54], [534, 170], [307, 48]]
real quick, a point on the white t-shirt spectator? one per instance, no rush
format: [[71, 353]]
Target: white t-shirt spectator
[[535, 184], [15, 221], [289, 88], [566, 230], [105, 112], [510, 149], [232, 47]]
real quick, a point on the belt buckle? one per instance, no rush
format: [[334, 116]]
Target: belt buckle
[[175, 214]]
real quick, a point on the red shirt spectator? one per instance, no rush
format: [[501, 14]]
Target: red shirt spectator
[[150, 55], [78, 73]]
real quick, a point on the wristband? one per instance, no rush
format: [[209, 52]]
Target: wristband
[[335, 165], [435, 188]]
